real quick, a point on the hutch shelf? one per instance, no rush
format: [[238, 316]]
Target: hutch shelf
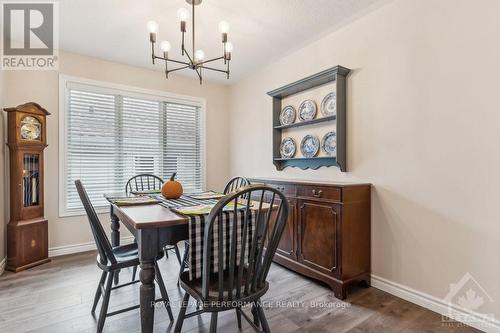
[[337, 76]]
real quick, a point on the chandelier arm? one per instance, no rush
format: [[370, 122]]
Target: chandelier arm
[[172, 60], [191, 62], [210, 60], [177, 69], [198, 71], [214, 69]]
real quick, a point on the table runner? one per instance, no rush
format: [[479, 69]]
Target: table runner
[[196, 240], [196, 227], [184, 201]]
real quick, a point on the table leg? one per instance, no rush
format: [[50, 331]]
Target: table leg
[[115, 236], [147, 241]]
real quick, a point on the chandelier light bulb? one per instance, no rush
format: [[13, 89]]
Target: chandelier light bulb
[[229, 47], [223, 27], [165, 46], [199, 55], [152, 27], [182, 14]]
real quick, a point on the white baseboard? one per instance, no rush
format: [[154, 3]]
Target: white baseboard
[[82, 247], [433, 303], [2, 265]]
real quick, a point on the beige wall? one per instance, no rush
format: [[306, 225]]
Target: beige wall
[[42, 87], [423, 127]]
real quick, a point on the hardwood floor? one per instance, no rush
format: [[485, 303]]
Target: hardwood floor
[[57, 297]]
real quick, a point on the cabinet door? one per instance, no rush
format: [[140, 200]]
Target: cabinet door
[[318, 235], [286, 246]]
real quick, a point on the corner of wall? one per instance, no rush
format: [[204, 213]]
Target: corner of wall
[[3, 159]]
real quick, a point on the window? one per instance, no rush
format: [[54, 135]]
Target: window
[[108, 135]]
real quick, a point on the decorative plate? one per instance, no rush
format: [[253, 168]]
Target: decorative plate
[[329, 143], [307, 110], [287, 115], [288, 148], [309, 146], [329, 104]]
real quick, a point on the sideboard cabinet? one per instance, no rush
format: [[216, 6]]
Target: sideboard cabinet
[[327, 236]]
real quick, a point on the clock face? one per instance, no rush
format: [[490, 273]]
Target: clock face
[[31, 128]]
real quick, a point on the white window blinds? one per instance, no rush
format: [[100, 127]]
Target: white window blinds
[[112, 136]]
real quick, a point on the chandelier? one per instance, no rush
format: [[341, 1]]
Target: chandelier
[[196, 60]]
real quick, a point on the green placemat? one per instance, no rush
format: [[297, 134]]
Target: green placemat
[[206, 195], [145, 192], [133, 201], [205, 209]]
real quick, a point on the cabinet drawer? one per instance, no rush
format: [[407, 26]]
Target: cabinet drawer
[[320, 192], [287, 190]]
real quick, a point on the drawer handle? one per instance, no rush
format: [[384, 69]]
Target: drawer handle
[[317, 194]]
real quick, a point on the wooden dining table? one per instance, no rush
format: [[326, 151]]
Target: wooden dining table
[[154, 226]]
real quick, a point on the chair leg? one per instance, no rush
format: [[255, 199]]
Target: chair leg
[[213, 322], [238, 317], [255, 315], [134, 272], [177, 253], [262, 317], [182, 314], [105, 302], [98, 291], [163, 291], [184, 259]]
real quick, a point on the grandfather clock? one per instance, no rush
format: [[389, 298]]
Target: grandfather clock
[[27, 230]]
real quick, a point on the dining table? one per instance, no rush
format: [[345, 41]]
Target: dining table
[[154, 226]]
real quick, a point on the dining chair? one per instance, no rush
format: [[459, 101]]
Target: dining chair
[[235, 285], [149, 182], [235, 184], [143, 182], [110, 260]]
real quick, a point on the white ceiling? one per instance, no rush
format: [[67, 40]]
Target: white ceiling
[[261, 30]]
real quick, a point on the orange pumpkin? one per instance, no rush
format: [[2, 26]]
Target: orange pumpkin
[[172, 189]]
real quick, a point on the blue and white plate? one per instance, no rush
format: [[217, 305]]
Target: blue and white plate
[[288, 148], [287, 115], [329, 143], [309, 146], [329, 105], [307, 110]]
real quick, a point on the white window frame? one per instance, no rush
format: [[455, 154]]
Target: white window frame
[[103, 86]]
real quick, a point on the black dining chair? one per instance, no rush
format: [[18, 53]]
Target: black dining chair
[[235, 184], [231, 186], [238, 285], [143, 182], [150, 182], [110, 260]]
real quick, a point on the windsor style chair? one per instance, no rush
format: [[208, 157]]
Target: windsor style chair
[[235, 184], [231, 186], [112, 259]]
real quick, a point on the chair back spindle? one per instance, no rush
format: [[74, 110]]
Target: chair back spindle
[[260, 212]]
